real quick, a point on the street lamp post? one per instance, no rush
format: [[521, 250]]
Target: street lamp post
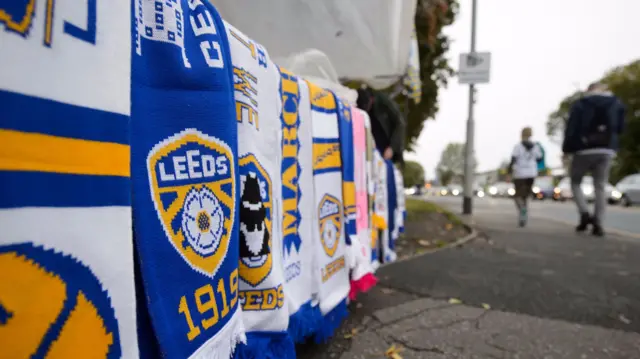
[[468, 158]]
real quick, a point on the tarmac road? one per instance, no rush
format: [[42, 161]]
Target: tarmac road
[[619, 220]]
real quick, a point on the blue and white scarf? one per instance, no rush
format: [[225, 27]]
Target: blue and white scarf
[[299, 214], [66, 251], [258, 109], [389, 243], [185, 177], [330, 243]]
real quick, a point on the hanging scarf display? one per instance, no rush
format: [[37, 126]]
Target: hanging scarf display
[[258, 109], [298, 213], [362, 278], [330, 243], [66, 250], [186, 181]]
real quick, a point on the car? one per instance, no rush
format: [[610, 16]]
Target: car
[[564, 192], [455, 190], [629, 188], [502, 189], [543, 188]]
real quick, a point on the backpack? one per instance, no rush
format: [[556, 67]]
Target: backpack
[[597, 130], [541, 162]]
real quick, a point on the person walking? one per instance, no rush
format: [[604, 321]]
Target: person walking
[[592, 134], [523, 168]]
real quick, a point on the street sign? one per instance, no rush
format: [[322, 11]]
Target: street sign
[[474, 68]]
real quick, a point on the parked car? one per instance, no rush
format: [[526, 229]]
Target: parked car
[[543, 188], [629, 188], [564, 192], [502, 189]]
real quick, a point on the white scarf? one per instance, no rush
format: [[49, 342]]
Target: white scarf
[[300, 221], [66, 252], [330, 245], [258, 111]]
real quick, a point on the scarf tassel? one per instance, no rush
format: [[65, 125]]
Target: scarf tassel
[[266, 345], [304, 322], [330, 322], [362, 285]]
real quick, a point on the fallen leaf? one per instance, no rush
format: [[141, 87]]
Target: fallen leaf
[[424, 242], [359, 305], [486, 306], [387, 290], [440, 243], [624, 319], [393, 352], [352, 334], [455, 301], [448, 226]]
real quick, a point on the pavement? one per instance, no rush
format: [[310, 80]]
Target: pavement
[[535, 292]]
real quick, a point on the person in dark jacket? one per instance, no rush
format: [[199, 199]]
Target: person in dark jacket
[[387, 123], [592, 136]]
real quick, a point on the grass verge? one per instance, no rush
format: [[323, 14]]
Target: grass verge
[[416, 207]]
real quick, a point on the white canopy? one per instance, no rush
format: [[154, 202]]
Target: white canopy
[[365, 40]]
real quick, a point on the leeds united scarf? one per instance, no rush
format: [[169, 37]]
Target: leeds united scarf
[[389, 240], [66, 257], [400, 209], [362, 278], [381, 204], [299, 216], [185, 177], [330, 244], [256, 85]]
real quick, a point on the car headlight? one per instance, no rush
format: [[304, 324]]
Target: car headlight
[[443, 192], [455, 192], [493, 190], [480, 194], [616, 194], [556, 190], [587, 191], [536, 189], [511, 191]]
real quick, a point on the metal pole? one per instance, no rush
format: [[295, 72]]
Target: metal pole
[[468, 158]]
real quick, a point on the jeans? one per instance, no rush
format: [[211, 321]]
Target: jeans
[[598, 164]]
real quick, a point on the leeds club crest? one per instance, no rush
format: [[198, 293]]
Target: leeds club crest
[[256, 213], [330, 218], [192, 184]]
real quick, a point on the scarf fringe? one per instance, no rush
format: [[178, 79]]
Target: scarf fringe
[[331, 321], [216, 348], [305, 322], [362, 285], [267, 345]]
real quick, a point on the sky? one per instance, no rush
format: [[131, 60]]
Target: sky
[[541, 51]]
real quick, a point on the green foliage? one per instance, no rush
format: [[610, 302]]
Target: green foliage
[[452, 162], [435, 72], [413, 174], [624, 82]]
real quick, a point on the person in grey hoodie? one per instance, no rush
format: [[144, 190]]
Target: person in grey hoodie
[[524, 169], [592, 136]]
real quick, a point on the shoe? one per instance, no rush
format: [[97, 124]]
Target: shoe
[[585, 221], [523, 217], [597, 230]]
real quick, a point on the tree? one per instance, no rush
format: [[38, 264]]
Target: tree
[[431, 17], [452, 162], [624, 82], [413, 174]]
